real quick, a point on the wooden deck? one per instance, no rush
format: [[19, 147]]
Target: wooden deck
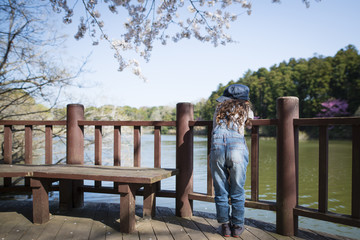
[[101, 221]]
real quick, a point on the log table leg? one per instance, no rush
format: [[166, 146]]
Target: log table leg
[[127, 207], [65, 194], [70, 194], [149, 201], [40, 190]]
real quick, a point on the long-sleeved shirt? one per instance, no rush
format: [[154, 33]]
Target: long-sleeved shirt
[[241, 128]]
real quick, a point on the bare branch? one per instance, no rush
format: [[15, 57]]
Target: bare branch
[[28, 70]]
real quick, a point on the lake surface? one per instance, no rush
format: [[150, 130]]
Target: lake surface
[[339, 176]]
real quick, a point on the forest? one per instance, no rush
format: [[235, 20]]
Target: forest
[[325, 86]]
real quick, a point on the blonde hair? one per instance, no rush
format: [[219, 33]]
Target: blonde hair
[[233, 110]]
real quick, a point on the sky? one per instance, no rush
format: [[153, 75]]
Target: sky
[[189, 70]]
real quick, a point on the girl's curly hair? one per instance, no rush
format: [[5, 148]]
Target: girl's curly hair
[[233, 110]]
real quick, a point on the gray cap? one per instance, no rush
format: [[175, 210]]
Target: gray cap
[[235, 91]]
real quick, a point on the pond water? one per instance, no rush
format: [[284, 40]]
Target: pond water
[[339, 176]]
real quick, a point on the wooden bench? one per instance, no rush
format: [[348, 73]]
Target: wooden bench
[[128, 180]]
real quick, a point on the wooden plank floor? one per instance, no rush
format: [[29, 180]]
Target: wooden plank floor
[[101, 221]]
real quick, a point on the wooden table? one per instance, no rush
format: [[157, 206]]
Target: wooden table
[[128, 180]]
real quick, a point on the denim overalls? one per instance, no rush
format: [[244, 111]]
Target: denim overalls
[[229, 158]]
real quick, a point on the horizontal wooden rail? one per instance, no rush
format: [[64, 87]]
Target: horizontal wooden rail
[[32, 122], [200, 123], [15, 189], [255, 122], [263, 205], [328, 216], [201, 197], [24, 189], [128, 123], [112, 190], [327, 121], [264, 122]]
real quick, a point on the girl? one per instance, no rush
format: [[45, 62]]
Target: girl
[[229, 157]]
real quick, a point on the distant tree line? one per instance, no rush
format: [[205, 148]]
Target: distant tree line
[[314, 81], [325, 86]]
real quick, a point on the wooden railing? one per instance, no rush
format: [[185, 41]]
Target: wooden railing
[[322, 212], [137, 129], [28, 124], [137, 125], [287, 124], [28, 156]]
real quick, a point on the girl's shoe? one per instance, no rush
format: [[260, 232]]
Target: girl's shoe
[[225, 229], [237, 230]]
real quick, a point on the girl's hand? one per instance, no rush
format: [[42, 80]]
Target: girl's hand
[[248, 124]]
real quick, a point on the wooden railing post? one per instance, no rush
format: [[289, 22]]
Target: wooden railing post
[[355, 195], [28, 144], [255, 163], [137, 146], [48, 144], [184, 159], [323, 168], [287, 111], [74, 134], [117, 145], [74, 150], [210, 185], [8, 141], [98, 149]]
